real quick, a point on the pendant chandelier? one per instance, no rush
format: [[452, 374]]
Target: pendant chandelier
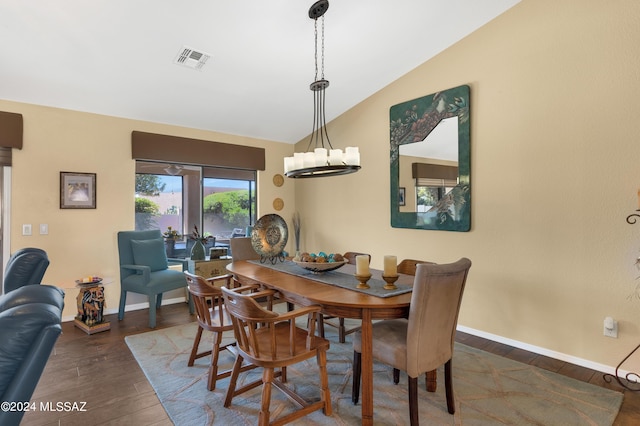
[[323, 160]]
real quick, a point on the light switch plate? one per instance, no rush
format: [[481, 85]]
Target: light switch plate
[[44, 229], [26, 229]]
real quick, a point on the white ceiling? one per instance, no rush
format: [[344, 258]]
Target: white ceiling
[[115, 57]]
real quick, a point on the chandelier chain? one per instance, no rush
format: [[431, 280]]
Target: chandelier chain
[[321, 48], [322, 52]]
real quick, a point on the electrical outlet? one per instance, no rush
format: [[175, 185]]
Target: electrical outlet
[[610, 327]]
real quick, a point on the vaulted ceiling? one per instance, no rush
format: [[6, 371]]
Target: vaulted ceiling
[[117, 57]]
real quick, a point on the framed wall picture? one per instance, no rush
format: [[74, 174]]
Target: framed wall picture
[[401, 200], [77, 190]]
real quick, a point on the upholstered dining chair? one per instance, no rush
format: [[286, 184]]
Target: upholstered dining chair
[[242, 249], [211, 316], [408, 267], [144, 269], [425, 340], [272, 340], [25, 266], [350, 256]]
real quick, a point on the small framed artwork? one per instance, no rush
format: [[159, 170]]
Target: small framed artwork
[[77, 190], [401, 200]]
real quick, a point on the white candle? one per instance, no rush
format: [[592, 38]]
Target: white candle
[[352, 156], [309, 159], [335, 157], [390, 266], [321, 156], [298, 162], [288, 164], [362, 265]]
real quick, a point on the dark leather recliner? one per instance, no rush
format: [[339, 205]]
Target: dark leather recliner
[[26, 266], [30, 323]]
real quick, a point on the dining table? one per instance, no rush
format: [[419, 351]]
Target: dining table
[[303, 288]]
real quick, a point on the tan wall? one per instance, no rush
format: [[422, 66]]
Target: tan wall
[[555, 152], [83, 242]]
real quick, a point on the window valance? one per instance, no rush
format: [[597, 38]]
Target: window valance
[[433, 171], [10, 136], [175, 149]]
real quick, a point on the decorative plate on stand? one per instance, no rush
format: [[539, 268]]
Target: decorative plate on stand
[[269, 237]]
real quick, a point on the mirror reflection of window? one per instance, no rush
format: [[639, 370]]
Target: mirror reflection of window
[[428, 196], [439, 148]]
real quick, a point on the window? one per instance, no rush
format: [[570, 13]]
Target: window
[[221, 202], [428, 196]]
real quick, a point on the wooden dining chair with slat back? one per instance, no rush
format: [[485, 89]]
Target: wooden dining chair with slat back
[[408, 266], [272, 340], [211, 316], [323, 320]]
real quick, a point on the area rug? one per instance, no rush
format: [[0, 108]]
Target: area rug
[[489, 390]]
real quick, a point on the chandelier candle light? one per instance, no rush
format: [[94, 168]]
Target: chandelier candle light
[[323, 160]]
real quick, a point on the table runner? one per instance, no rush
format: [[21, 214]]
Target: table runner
[[339, 279]]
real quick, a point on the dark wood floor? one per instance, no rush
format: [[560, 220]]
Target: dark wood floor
[[101, 371]]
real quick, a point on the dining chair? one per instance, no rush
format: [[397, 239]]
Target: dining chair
[[350, 256], [272, 340], [408, 267], [425, 340], [212, 316], [242, 249]]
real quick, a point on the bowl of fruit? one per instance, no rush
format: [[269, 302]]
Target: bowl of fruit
[[320, 262]]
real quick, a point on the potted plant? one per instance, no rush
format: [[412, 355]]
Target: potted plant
[[170, 237]]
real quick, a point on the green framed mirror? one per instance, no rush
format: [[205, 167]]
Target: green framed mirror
[[430, 162]]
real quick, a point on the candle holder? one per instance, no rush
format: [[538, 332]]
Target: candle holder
[[390, 282], [362, 280]]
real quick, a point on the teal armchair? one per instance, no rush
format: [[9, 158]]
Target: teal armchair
[[144, 269]]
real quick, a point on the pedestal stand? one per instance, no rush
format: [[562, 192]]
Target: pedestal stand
[[91, 303]]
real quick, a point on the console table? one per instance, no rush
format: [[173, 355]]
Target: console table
[[209, 267]]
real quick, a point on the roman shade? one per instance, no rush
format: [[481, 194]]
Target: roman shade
[[175, 149]]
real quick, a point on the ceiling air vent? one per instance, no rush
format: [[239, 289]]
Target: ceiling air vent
[[191, 58]]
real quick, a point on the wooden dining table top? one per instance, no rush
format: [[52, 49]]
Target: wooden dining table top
[[334, 300]]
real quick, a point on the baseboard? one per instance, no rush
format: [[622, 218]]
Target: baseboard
[[134, 307], [543, 351], [493, 337]]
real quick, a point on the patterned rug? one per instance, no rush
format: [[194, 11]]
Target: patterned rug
[[489, 390]]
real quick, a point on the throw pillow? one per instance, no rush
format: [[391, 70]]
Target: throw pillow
[[150, 253]]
